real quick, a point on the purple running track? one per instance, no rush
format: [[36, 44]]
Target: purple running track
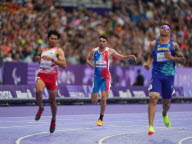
[[76, 124]]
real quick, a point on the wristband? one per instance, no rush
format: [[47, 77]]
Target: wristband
[[53, 60]]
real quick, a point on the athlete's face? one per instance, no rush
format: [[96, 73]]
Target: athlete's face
[[53, 39], [102, 43], [165, 31]]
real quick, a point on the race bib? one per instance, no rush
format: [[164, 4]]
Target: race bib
[[101, 64], [161, 57], [45, 64]]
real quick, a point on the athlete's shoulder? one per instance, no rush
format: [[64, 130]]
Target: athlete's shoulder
[[58, 49], [152, 43], [109, 49], [175, 43], [94, 49], [44, 49]]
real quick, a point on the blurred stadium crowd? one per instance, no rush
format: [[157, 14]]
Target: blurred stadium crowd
[[130, 25]]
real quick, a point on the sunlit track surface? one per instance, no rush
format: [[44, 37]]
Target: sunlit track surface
[[123, 124]]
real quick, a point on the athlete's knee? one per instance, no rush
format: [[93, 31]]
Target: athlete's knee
[[53, 102], [103, 98], [38, 92], [52, 99], [94, 97], [153, 99], [166, 104], [94, 101]]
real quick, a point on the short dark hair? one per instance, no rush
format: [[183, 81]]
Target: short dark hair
[[53, 32], [104, 37]]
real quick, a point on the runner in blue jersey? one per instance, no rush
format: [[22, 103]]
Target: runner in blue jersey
[[164, 54], [101, 56]]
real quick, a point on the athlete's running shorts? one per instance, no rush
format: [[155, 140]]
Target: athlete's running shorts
[[162, 85], [50, 80], [102, 83]]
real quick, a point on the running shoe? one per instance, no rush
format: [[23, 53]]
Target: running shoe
[[38, 115], [166, 120], [52, 127], [100, 122], [151, 130]]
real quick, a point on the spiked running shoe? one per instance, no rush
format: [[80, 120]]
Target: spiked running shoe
[[52, 127], [151, 130], [100, 122], [38, 115], [166, 120]]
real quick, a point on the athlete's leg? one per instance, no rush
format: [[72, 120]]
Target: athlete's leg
[[167, 93], [166, 106], [40, 85], [154, 96], [94, 94], [95, 89], [105, 86], [52, 100], [94, 97], [155, 89], [104, 95]]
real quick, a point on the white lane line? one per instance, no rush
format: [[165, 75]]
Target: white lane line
[[100, 141], [44, 123], [22, 121], [107, 137], [18, 140], [188, 112], [21, 138], [30, 120], [182, 140], [21, 126]]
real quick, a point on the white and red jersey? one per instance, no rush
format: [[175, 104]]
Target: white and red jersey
[[46, 66]]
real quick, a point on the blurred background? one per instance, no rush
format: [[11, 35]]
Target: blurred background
[[129, 24]]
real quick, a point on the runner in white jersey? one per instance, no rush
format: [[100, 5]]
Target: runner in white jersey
[[101, 56], [51, 59]]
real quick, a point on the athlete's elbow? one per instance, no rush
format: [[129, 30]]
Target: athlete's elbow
[[64, 65], [183, 61], [87, 61]]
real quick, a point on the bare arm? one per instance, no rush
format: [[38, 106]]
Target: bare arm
[[179, 55], [89, 58], [38, 59], [122, 57], [179, 58], [149, 62], [61, 62], [150, 57]]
